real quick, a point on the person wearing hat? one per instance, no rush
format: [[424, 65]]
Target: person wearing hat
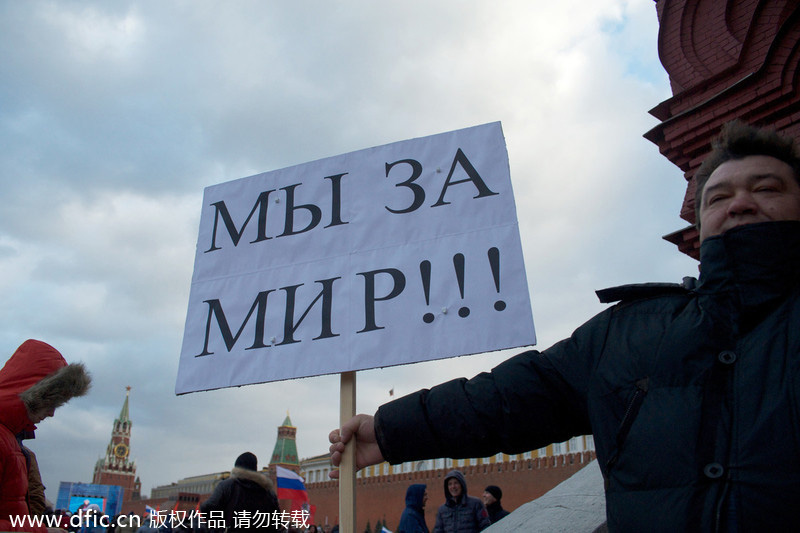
[[34, 382], [247, 499], [491, 499]]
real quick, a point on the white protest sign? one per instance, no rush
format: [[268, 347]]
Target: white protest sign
[[391, 255]]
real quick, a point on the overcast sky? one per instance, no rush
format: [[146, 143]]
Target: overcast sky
[[114, 116]]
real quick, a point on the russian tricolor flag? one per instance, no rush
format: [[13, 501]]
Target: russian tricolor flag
[[290, 486]]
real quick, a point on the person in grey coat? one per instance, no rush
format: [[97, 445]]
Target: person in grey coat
[[460, 513]]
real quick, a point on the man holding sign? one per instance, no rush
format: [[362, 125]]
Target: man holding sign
[[692, 391]]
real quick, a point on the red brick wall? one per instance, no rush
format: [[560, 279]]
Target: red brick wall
[[726, 59], [383, 497], [127, 482], [138, 506]]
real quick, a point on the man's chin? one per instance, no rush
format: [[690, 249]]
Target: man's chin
[[742, 224]]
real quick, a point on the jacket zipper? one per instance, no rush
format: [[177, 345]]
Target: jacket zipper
[[627, 420]]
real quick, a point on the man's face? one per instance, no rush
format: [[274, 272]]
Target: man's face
[[38, 416], [488, 499], [756, 188], [454, 487]]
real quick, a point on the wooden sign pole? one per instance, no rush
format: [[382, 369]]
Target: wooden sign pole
[[347, 468]]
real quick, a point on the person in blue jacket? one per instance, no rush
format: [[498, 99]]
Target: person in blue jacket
[[413, 518]]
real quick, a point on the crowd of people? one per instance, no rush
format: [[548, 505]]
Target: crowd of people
[[460, 513], [37, 379], [247, 492]]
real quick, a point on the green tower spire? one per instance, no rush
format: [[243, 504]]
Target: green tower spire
[[285, 452], [123, 414]]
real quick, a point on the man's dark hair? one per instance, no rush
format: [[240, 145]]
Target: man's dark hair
[[736, 141], [247, 460]]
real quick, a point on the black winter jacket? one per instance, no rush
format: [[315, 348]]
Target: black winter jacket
[[692, 393], [246, 500], [496, 512]]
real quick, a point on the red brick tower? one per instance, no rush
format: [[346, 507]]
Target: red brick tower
[[116, 468], [726, 59]]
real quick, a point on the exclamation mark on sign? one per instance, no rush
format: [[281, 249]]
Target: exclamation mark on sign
[[494, 263], [458, 264], [425, 274]]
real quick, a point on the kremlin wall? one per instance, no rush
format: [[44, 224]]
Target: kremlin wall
[[380, 489], [382, 497]]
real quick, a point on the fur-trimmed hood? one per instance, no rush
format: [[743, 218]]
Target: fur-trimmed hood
[[35, 378], [252, 475]]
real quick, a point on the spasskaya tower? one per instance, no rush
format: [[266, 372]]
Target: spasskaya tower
[[116, 467]]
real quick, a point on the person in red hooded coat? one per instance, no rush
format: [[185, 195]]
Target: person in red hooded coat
[[33, 383]]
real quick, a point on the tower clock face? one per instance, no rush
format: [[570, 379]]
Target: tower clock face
[[121, 450]]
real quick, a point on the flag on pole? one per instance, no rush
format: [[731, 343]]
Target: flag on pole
[[290, 486]]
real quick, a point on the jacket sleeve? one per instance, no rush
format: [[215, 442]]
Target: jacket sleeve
[[5, 507], [438, 527], [37, 504], [528, 401], [482, 516], [218, 499]]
